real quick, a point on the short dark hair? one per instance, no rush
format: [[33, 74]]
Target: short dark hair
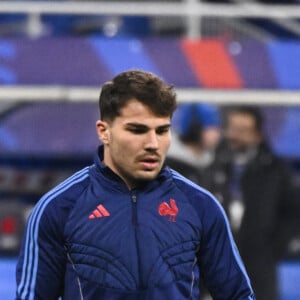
[[143, 86], [252, 111]]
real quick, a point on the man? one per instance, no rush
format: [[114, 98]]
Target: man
[[255, 188], [129, 227]]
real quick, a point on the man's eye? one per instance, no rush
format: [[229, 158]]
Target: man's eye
[[137, 130], [162, 130]]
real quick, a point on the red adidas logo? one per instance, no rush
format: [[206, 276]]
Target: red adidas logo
[[99, 212]]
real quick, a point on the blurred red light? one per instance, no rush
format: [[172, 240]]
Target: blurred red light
[[8, 225]]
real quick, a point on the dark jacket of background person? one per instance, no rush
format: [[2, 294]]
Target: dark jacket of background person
[[268, 199]]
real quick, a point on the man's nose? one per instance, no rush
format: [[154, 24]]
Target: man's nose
[[151, 140]]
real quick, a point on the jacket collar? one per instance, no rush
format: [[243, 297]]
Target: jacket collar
[[105, 172]]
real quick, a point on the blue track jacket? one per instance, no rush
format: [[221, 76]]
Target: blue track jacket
[[90, 238]]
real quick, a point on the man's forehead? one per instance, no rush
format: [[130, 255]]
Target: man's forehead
[[139, 113]]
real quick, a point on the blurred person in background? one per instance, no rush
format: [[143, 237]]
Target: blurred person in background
[[255, 188], [194, 140]]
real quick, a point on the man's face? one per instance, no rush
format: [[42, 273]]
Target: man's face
[[241, 132], [135, 143]]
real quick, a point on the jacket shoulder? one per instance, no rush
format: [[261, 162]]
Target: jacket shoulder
[[57, 203], [200, 198]]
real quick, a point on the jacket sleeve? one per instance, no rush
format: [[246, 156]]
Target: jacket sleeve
[[42, 259], [220, 264]]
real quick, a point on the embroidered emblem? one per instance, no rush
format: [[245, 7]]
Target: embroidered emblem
[[99, 212], [164, 209]]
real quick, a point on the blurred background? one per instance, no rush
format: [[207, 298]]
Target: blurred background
[[55, 55]]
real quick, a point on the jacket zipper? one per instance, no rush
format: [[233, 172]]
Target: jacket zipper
[[135, 224], [134, 210]]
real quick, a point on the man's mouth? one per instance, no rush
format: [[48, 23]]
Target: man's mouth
[[149, 163]]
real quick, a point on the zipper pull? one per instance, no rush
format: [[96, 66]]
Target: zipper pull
[[134, 198]]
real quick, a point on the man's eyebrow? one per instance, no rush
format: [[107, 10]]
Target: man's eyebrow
[[165, 126], [139, 125], [135, 124]]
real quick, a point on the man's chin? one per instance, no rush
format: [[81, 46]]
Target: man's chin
[[147, 175]]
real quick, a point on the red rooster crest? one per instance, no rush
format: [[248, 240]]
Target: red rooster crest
[[164, 209]]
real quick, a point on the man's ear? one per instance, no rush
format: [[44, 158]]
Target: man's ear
[[103, 131]]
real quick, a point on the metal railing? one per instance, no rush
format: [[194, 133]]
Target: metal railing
[[191, 10], [184, 95]]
